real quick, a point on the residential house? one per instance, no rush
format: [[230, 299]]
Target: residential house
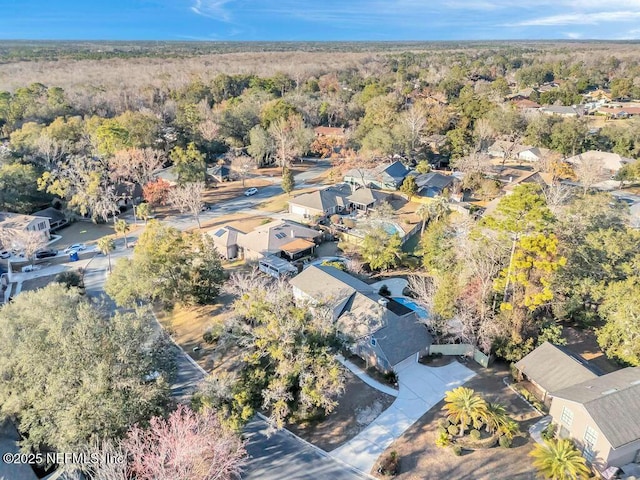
[[619, 112], [550, 368], [57, 218], [285, 239], [365, 199], [516, 151], [433, 184], [15, 222], [562, 111], [219, 173], [321, 203], [331, 132], [382, 338], [387, 176], [611, 162], [167, 174], [602, 416], [225, 239], [526, 105]]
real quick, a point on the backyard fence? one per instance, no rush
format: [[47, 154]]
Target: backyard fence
[[461, 349]]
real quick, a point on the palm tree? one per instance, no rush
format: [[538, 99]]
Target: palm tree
[[434, 211], [424, 213], [465, 407], [106, 245], [559, 460], [496, 417], [122, 227], [144, 211]]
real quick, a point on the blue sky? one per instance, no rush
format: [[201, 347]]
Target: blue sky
[[319, 20]]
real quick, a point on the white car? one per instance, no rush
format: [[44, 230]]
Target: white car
[[76, 247], [251, 191], [5, 254]]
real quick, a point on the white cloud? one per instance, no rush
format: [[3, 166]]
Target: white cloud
[[573, 35], [594, 18], [215, 9]]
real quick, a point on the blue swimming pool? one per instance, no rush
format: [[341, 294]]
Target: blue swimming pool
[[407, 302]]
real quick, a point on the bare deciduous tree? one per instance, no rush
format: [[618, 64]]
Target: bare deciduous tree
[[243, 165], [589, 171], [292, 138], [188, 199], [27, 242]]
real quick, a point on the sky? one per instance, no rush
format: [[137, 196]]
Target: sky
[[298, 20]]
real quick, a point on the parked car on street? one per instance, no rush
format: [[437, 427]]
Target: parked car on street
[[251, 191], [5, 254], [76, 247], [46, 253]]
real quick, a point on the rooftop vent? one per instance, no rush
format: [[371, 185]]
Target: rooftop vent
[[383, 302]]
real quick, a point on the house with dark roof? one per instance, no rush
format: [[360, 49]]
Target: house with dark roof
[[321, 203], [57, 218], [379, 336], [602, 416], [434, 184], [387, 176], [219, 173], [551, 367], [365, 199]]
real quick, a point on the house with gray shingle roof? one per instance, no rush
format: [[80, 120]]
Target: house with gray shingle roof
[[602, 416], [386, 176], [382, 338], [551, 367], [321, 203]]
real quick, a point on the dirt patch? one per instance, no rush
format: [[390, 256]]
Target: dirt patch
[[420, 458], [187, 325], [584, 343], [357, 407]]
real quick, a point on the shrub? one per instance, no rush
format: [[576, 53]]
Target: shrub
[[474, 434], [441, 430], [69, 279], [443, 440], [505, 442], [349, 222], [457, 450], [210, 336], [452, 429], [390, 465], [391, 377], [335, 219], [549, 432], [444, 423], [384, 291]]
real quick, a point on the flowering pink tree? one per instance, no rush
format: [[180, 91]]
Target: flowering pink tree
[[186, 446]]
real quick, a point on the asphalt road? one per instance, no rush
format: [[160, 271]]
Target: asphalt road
[[280, 455]]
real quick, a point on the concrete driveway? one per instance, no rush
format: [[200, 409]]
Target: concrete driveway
[[421, 387]]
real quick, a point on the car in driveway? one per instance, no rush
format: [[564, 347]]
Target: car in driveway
[[46, 253], [250, 191], [76, 247], [5, 254]]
